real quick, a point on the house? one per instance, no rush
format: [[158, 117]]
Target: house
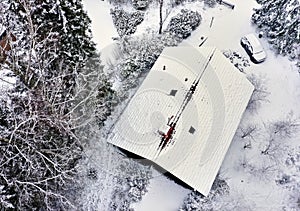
[[184, 115], [5, 38]]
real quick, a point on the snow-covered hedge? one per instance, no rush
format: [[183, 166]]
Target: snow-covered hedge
[[279, 20], [126, 23], [237, 59], [140, 4], [184, 23]]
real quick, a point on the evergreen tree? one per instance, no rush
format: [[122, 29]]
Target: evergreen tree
[[279, 19], [59, 78]]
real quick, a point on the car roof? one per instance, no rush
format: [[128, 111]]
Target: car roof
[[253, 41]]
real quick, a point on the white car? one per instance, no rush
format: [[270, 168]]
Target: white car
[[253, 47]]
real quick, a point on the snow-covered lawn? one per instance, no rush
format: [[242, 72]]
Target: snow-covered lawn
[[163, 195], [282, 81], [102, 26], [103, 29]]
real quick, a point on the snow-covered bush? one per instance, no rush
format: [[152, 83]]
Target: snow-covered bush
[[184, 23], [237, 59], [287, 127], [290, 180], [129, 67], [197, 202], [5, 204], [140, 4], [279, 20], [177, 2], [140, 53], [131, 185], [119, 2], [278, 132], [293, 201], [125, 22], [291, 176], [210, 3]]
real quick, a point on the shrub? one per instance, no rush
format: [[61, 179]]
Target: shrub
[[126, 23], [239, 61], [210, 3], [140, 4], [141, 54], [196, 201], [184, 23]]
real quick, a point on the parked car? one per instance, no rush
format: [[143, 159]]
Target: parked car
[[253, 48]]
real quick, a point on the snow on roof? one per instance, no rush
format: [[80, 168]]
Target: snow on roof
[[207, 125]]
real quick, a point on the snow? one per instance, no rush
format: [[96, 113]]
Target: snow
[[215, 110], [283, 82], [103, 28], [164, 194], [228, 25], [151, 19]]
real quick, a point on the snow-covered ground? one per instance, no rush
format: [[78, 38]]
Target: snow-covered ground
[[102, 26], [103, 29], [163, 195], [283, 83]]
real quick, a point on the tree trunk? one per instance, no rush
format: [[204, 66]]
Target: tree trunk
[[161, 2]]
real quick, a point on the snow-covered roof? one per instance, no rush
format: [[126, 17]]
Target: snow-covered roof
[[207, 125]]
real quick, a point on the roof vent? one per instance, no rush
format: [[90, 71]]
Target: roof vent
[[192, 130], [173, 92]]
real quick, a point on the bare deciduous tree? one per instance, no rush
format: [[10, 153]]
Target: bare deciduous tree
[[286, 128], [259, 94], [248, 131], [40, 139], [161, 19]]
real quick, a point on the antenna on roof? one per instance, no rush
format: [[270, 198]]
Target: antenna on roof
[[168, 136]]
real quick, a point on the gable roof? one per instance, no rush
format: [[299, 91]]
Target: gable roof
[[207, 124]]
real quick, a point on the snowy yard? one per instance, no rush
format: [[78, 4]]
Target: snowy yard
[[60, 105], [282, 82]]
